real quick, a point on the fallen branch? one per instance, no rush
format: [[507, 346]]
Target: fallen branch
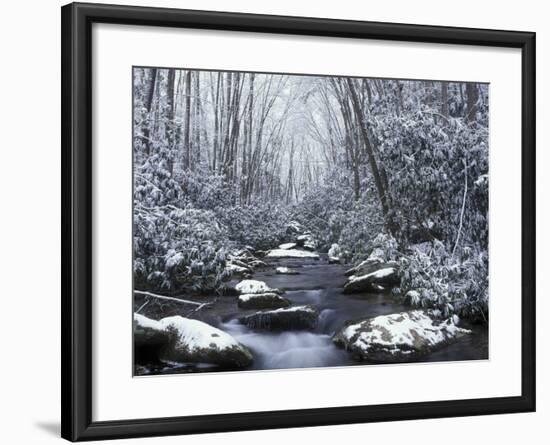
[[197, 309], [142, 306], [164, 297]]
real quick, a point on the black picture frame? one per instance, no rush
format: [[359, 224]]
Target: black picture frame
[[76, 248]]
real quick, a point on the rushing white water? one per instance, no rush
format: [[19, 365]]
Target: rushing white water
[[293, 349]]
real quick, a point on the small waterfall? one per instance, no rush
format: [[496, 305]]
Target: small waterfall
[[326, 321], [288, 349]]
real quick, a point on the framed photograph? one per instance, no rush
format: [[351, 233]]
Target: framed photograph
[[276, 222]]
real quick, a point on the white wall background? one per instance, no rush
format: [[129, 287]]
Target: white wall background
[[30, 208]]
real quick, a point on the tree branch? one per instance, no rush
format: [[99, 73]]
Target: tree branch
[[164, 297], [463, 207]]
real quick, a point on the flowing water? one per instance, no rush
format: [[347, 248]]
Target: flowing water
[[318, 284]]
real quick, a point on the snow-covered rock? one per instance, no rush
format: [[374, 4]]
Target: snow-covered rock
[[190, 341], [398, 337], [286, 246], [268, 300], [252, 287], [306, 241], [292, 253], [384, 277], [292, 318], [236, 270], [283, 270], [149, 337], [365, 267]]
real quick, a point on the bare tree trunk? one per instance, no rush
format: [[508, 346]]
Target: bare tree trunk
[[372, 161], [169, 124], [196, 119], [216, 123], [187, 134], [472, 96], [445, 99], [148, 104]]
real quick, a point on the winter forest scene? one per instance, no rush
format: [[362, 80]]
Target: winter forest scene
[[296, 221]]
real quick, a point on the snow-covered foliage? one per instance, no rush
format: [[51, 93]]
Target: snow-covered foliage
[[334, 251], [177, 249], [453, 284], [261, 224]]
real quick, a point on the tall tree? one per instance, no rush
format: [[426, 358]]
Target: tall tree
[[382, 195], [187, 135], [445, 99], [472, 96], [169, 125], [151, 81]]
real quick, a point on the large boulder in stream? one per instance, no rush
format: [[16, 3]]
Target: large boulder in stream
[[254, 287], [292, 318], [149, 339], [398, 337], [292, 253], [384, 276], [364, 267], [185, 340], [267, 300]]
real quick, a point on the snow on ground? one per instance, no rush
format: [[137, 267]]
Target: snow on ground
[[287, 246], [252, 287], [192, 334], [404, 332], [291, 253]]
